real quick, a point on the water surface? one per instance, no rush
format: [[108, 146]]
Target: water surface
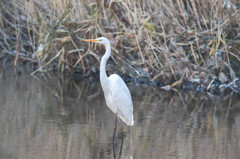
[[55, 116]]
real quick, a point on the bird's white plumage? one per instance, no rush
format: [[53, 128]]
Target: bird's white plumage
[[116, 92], [119, 99]]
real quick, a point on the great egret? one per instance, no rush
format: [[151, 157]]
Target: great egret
[[116, 92]]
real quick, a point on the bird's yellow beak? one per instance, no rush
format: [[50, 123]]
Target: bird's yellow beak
[[94, 40]]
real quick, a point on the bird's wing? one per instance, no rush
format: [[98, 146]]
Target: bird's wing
[[121, 99]]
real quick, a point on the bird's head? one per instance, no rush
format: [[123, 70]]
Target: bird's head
[[101, 40]]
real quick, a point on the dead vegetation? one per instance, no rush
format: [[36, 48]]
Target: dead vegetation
[[163, 41]]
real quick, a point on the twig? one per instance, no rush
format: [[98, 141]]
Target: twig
[[48, 62]]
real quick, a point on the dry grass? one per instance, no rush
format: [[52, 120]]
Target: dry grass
[[168, 41]]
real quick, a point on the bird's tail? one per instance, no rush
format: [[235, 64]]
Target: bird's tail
[[131, 122]]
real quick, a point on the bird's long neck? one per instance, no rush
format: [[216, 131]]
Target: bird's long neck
[[103, 75]]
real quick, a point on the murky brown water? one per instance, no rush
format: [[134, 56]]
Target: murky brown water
[[59, 117]]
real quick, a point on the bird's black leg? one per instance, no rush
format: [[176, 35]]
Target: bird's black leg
[[115, 128], [122, 136], [120, 152]]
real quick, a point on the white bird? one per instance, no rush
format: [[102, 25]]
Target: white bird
[[116, 92]]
